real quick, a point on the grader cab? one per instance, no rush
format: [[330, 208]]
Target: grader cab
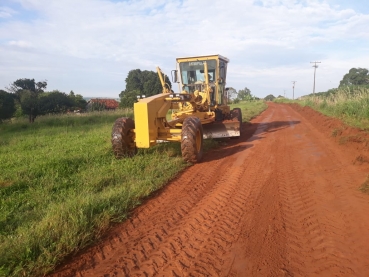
[[198, 112]]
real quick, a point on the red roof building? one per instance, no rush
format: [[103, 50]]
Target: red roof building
[[109, 104]]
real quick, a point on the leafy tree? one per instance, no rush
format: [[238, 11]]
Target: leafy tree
[[139, 83], [7, 105], [128, 98], [244, 94], [232, 93], [27, 93], [356, 77], [29, 104], [79, 102], [269, 97], [25, 84], [54, 102]]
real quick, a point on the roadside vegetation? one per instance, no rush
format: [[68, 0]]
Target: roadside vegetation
[[26, 97], [249, 104], [351, 104], [250, 109], [61, 187]]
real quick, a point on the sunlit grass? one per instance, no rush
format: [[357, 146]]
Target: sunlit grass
[[349, 104], [250, 109]]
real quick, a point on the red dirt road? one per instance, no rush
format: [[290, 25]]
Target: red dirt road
[[283, 200]]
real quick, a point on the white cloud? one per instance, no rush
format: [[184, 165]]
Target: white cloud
[[89, 46], [6, 12], [20, 43]]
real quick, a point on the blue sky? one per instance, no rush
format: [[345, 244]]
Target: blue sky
[[361, 6], [89, 46]]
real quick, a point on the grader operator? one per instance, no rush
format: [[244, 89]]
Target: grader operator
[[198, 112]]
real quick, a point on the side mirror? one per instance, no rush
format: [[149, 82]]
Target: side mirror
[[174, 76], [227, 89]]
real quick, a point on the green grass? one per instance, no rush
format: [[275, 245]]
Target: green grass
[[348, 104], [250, 109], [61, 187]]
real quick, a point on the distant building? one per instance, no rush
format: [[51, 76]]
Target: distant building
[[102, 104]]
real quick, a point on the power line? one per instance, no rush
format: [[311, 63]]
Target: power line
[[315, 67], [293, 90]]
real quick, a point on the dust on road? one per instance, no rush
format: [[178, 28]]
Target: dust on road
[[283, 200]]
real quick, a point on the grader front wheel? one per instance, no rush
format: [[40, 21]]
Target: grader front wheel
[[192, 140], [122, 138]]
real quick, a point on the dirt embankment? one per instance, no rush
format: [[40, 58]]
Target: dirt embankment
[[283, 200]]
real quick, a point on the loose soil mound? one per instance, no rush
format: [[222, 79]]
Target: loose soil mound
[[353, 140]]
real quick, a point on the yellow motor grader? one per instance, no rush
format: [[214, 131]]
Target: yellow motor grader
[[198, 112]]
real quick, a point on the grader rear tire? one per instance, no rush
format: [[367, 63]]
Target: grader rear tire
[[121, 138], [192, 140]]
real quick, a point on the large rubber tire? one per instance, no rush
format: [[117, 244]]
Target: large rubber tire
[[192, 140], [237, 114], [121, 138]]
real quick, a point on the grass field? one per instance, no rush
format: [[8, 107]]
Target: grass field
[[250, 109], [61, 187]]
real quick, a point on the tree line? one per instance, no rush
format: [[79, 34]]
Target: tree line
[[141, 83], [26, 97], [355, 78]]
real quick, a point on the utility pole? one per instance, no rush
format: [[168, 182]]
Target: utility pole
[[293, 89], [315, 67], [284, 93]]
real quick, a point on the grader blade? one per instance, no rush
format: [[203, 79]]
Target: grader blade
[[224, 129]]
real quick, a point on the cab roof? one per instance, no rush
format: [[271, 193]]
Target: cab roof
[[201, 58]]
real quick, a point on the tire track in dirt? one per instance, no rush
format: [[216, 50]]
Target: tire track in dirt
[[208, 229], [261, 249], [326, 239], [163, 217], [283, 202]]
